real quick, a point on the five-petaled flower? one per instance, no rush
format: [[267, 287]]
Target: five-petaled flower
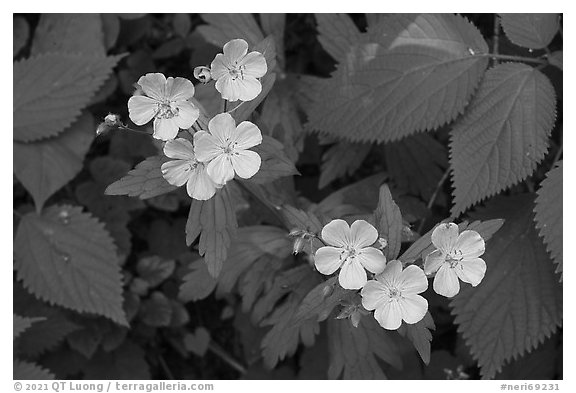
[[456, 257], [349, 249], [394, 295], [165, 100], [224, 149], [185, 169], [236, 70]]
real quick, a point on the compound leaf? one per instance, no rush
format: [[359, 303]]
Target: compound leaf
[[533, 31], [222, 28]]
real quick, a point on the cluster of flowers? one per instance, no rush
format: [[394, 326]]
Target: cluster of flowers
[[394, 291], [216, 155]]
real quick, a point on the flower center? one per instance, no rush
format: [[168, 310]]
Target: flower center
[[230, 148], [454, 258], [237, 71], [167, 110], [348, 254], [394, 293]]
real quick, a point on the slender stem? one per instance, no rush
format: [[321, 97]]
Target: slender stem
[[165, 367], [218, 351], [236, 107], [512, 58], [133, 130], [433, 197], [496, 38]]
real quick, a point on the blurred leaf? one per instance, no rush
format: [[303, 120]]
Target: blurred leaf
[[420, 336], [110, 29], [127, 362], [25, 371], [320, 301], [341, 159], [503, 135], [548, 216], [21, 324], [197, 284], [540, 364], [337, 33], [51, 89], [222, 28], [181, 24], [275, 163], [20, 35], [274, 24], [155, 270], [71, 33], [66, 257], [197, 342], [244, 111], [167, 239], [156, 311], [533, 31], [556, 59], [519, 302], [408, 73], [86, 341], [46, 166], [144, 181], [388, 221]]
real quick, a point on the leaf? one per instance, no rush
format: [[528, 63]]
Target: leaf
[[25, 371], [244, 111], [197, 342], [66, 257], [126, 362], [519, 302], [20, 35], [275, 164], [72, 33], [353, 351], [274, 24], [197, 284], [556, 58], [215, 221], [155, 270], [388, 221], [549, 211], [181, 24], [406, 74], [342, 159], [503, 135], [156, 311], [416, 164], [337, 33], [44, 167], [21, 324], [144, 181], [320, 301], [222, 28], [51, 89], [533, 31], [419, 334]]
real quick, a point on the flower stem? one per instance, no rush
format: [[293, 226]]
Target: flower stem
[[495, 56], [236, 107], [433, 197], [222, 354]]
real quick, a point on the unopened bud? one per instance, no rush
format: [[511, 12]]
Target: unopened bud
[[327, 291], [203, 74], [298, 245], [383, 242], [111, 121]]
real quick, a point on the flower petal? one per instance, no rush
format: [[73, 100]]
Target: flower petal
[[446, 282], [179, 89], [444, 236], [412, 280], [200, 186], [470, 244], [352, 275], [235, 49], [176, 172], [389, 315], [327, 259], [372, 259], [471, 271], [142, 109], [223, 127], [255, 64], [362, 234], [165, 129], [373, 295], [246, 163], [179, 148], [433, 261], [413, 307], [218, 68], [247, 135], [206, 146], [188, 113], [336, 233], [154, 85], [220, 169], [391, 274], [248, 88], [228, 88]]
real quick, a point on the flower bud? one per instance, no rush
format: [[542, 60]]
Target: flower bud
[[203, 74], [383, 243], [110, 122], [298, 245]]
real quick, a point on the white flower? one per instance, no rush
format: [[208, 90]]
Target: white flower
[[185, 169], [236, 71], [349, 249], [165, 100], [225, 148], [394, 295], [456, 257]]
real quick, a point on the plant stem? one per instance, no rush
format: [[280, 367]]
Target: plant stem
[[512, 58], [433, 197], [236, 107], [496, 38], [165, 367], [222, 354]]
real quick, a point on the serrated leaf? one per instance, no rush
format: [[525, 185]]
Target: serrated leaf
[[275, 164], [416, 164], [519, 301], [72, 33], [257, 278], [21, 324], [503, 135], [337, 33], [549, 211], [389, 224], [420, 336], [44, 167], [342, 159], [353, 351], [25, 371], [215, 221], [406, 74], [66, 257], [222, 28], [533, 31], [144, 181], [20, 35], [86, 341], [51, 89], [320, 301], [197, 284]]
